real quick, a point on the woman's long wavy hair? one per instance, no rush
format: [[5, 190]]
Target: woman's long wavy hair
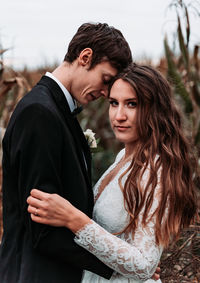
[[162, 147]]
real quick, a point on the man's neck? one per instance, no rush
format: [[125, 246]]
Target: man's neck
[[63, 73], [71, 102]]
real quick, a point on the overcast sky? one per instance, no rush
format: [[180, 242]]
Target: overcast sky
[[38, 31]]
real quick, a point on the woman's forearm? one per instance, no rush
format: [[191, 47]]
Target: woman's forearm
[[77, 220]]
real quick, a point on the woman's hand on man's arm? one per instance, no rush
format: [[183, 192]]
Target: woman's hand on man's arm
[[52, 209]]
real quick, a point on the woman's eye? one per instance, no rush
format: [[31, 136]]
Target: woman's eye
[[113, 102], [132, 104]]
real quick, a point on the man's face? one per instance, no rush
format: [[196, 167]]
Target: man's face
[[91, 84]]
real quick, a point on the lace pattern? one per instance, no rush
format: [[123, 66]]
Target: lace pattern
[[122, 254], [131, 257]]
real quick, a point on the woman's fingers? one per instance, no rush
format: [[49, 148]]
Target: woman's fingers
[[49, 209], [39, 199], [158, 270], [33, 210], [39, 194], [39, 219], [34, 202], [39, 215], [42, 205], [37, 207], [37, 211], [156, 275]]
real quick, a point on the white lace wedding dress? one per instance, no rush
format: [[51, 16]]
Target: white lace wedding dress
[[132, 259]]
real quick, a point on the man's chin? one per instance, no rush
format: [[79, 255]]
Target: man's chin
[[84, 103]]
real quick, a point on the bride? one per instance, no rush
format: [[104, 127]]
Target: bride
[[146, 196]]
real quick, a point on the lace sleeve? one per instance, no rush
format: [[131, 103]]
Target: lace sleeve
[[133, 258]]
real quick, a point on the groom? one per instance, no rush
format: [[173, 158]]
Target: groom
[[44, 148]]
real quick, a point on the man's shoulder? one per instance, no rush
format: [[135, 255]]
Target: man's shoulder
[[35, 103], [37, 98]]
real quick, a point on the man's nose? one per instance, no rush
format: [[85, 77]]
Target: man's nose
[[104, 91]]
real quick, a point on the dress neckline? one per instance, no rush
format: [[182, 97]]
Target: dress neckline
[[120, 155]]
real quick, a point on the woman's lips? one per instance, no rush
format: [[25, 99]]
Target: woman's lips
[[122, 128]]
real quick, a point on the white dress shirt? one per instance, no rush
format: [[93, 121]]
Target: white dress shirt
[[70, 100], [72, 103]]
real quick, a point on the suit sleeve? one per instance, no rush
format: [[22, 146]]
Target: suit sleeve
[[35, 156]]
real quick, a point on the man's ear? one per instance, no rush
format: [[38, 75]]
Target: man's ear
[[85, 57]]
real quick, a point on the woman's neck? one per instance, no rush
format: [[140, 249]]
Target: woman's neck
[[130, 149]]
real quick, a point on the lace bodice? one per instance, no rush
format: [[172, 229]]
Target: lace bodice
[[130, 257]]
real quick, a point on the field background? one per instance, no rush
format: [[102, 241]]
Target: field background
[[181, 66]]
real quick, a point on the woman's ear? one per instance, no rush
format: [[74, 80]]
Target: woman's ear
[[85, 57]]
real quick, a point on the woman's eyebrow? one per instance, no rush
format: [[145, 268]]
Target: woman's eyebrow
[[130, 99]]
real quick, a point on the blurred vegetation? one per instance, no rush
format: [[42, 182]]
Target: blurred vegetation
[[184, 72], [181, 262], [181, 65]]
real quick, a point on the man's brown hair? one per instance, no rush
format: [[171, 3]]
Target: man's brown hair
[[106, 42]]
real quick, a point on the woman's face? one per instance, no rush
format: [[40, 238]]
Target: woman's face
[[123, 111]]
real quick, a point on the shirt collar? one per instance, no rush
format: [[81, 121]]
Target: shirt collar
[[70, 100]]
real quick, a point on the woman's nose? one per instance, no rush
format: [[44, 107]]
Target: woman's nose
[[120, 114]]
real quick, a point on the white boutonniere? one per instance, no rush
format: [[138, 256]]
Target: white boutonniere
[[90, 137], [92, 141]]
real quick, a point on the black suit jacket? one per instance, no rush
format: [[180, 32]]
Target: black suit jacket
[[43, 148]]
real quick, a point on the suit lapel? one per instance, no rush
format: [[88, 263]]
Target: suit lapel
[[82, 140], [72, 123]]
